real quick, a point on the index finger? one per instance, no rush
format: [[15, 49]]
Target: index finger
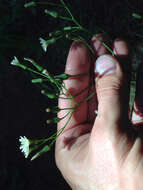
[[78, 62]]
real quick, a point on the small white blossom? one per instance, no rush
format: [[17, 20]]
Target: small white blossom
[[44, 44], [24, 147], [14, 61]]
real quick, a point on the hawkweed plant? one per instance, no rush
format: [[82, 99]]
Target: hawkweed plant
[[73, 31]]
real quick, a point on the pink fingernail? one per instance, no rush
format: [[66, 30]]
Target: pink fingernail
[[105, 65]]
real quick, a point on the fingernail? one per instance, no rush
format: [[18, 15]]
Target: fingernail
[[96, 39], [121, 47], [76, 44], [105, 65]]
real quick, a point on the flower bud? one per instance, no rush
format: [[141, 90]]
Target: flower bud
[[49, 121], [62, 76], [44, 149], [38, 67], [30, 4], [37, 80], [67, 28], [49, 95], [48, 110], [51, 13], [137, 16]]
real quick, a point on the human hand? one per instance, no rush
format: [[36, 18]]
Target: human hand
[[104, 151]]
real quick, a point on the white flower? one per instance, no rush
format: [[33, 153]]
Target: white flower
[[14, 61], [24, 147], [44, 44]]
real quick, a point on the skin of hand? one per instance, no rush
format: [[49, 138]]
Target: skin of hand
[[103, 151]]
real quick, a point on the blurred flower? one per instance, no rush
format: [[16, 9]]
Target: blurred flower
[[24, 147], [45, 43], [15, 61]]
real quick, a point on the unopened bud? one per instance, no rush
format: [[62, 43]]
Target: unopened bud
[[67, 36], [67, 28], [48, 110], [30, 4], [49, 121], [37, 80], [51, 34], [52, 13], [62, 76], [38, 67]]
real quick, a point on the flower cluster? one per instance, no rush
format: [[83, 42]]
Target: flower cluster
[[74, 31]]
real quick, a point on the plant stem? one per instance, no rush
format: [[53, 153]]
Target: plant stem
[[86, 99], [65, 18], [61, 130], [68, 10]]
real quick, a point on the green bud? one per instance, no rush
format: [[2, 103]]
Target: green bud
[[37, 80], [52, 13], [38, 67], [67, 28], [30, 4], [137, 16], [49, 95], [56, 33], [54, 110], [62, 76], [43, 150]]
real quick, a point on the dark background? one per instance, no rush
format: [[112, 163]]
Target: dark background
[[22, 106]]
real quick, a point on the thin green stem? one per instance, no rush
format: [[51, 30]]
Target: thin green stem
[[65, 115], [87, 44], [132, 94], [104, 44], [68, 10], [86, 99], [82, 91], [78, 93], [61, 130], [87, 31], [71, 97], [79, 75], [65, 18]]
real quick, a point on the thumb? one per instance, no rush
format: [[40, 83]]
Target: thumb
[[110, 86]]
